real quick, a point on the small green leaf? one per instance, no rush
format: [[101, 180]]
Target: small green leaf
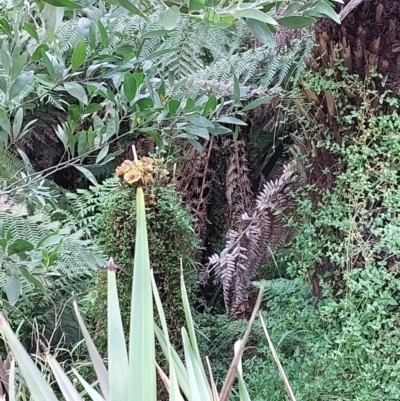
[[130, 86], [88, 174], [31, 30], [296, 22], [261, 31], [169, 18], [18, 65], [39, 51], [19, 84], [200, 121], [161, 52], [63, 3], [255, 14], [132, 8], [196, 5], [76, 90], [78, 55], [257, 103], [326, 10], [32, 279], [13, 289], [103, 34]]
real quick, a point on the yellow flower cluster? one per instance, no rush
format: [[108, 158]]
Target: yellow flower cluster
[[141, 170]]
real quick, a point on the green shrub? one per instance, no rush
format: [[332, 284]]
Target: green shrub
[[112, 214]]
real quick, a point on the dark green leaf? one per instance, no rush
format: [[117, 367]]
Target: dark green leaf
[[139, 78], [231, 120], [31, 30], [296, 22], [236, 89], [210, 106], [37, 54], [173, 106], [78, 55], [130, 86], [103, 34], [5, 27], [261, 31], [196, 5], [20, 83], [145, 103], [63, 3], [13, 289], [76, 90], [132, 8], [92, 108], [169, 18], [19, 247], [32, 279]]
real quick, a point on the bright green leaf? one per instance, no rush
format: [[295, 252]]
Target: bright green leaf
[[130, 86], [103, 33], [31, 30], [173, 106], [78, 55]]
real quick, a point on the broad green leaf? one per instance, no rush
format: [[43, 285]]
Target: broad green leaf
[[130, 86], [39, 388], [88, 174], [131, 7], [103, 34], [63, 3], [292, 8], [173, 106], [211, 17], [17, 123], [231, 120], [118, 366], [39, 51], [296, 22], [3, 84], [20, 84], [13, 289], [142, 383], [5, 121], [255, 14], [261, 31], [19, 247], [210, 106], [169, 18], [196, 145], [102, 154], [82, 143], [200, 121], [76, 90], [31, 30], [78, 55], [196, 130]]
